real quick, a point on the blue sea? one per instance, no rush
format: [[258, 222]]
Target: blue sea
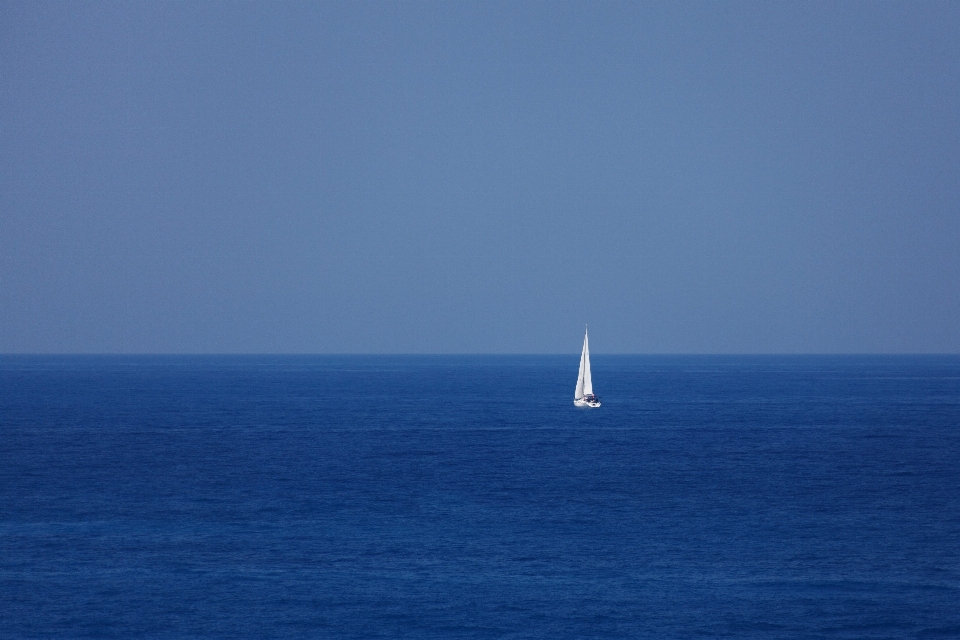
[[466, 497]]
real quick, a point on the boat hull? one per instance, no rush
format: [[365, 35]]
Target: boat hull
[[586, 403]]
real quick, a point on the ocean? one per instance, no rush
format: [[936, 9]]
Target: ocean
[[466, 497]]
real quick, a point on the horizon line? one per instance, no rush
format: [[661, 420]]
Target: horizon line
[[471, 353]]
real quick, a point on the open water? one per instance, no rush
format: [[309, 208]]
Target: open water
[[466, 497]]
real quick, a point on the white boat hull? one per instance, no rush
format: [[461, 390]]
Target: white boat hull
[[586, 403]]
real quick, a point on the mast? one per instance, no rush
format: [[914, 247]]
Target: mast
[[587, 378]]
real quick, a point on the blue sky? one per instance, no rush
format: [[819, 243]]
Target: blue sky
[[448, 177]]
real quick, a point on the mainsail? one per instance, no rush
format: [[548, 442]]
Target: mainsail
[[584, 381]]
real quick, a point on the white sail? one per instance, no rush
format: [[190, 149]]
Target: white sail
[[587, 380], [579, 392], [584, 381]]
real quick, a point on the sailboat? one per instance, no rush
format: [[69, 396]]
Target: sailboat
[[584, 395]]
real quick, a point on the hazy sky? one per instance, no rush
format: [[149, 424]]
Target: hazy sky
[[479, 177]]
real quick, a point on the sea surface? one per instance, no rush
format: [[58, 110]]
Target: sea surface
[[466, 497]]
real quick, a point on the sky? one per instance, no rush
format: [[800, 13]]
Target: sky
[[457, 177]]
